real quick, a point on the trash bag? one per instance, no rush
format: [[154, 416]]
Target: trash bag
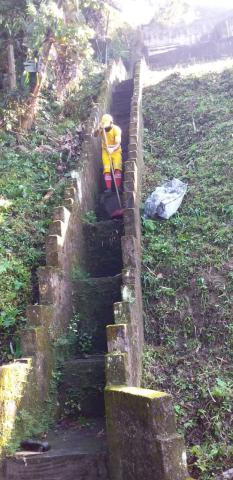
[[165, 200]]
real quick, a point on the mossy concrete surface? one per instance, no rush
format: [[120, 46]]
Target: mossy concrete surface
[[13, 378], [27, 400], [117, 368], [76, 453], [27, 393], [140, 421], [103, 247], [93, 299], [81, 391]]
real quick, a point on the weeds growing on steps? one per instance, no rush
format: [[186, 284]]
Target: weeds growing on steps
[[188, 262]]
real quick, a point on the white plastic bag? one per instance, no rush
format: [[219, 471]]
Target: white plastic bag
[[165, 200]]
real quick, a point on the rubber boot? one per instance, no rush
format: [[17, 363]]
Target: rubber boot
[[108, 182]]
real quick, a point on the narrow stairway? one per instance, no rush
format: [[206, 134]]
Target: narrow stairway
[[78, 443], [120, 110]]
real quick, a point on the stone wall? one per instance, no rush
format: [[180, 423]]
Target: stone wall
[[156, 35], [25, 385], [190, 55], [205, 39], [125, 337]]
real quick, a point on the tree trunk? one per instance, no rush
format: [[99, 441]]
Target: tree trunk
[[11, 66], [32, 103]]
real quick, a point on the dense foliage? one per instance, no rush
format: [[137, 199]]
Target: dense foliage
[[187, 262]]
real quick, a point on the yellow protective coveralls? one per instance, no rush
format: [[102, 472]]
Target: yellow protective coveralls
[[113, 138]]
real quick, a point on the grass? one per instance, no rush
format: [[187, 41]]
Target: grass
[[25, 177], [188, 261]]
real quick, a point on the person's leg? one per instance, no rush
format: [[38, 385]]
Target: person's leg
[[117, 166], [107, 170], [118, 178], [108, 180]]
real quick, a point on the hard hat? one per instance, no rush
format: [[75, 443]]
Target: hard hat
[[106, 120]]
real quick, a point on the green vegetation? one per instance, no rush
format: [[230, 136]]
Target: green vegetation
[[77, 340], [33, 172], [25, 177], [90, 217], [187, 262], [51, 71]]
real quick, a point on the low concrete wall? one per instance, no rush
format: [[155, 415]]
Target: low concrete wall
[[25, 386], [189, 55], [125, 338], [206, 39], [142, 437], [13, 378], [209, 24]]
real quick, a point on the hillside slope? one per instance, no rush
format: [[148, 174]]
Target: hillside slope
[[188, 262], [34, 168]]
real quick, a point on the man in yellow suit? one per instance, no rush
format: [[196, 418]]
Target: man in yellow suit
[[111, 150]]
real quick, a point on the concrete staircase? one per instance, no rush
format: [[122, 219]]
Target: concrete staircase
[[120, 110], [80, 453]]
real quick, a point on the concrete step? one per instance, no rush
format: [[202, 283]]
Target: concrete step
[[126, 83], [109, 207], [76, 454], [120, 113], [121, 100], [123, 87], [124, 103], [103, 247], [81, 390], [93, 299], [123, 91], [123, 117], [120, 110], [124, 127], [124, 110], [125, 133], [123, 120]]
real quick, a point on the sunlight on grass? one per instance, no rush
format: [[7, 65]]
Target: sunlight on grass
[[4, 203], [199, 69]]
